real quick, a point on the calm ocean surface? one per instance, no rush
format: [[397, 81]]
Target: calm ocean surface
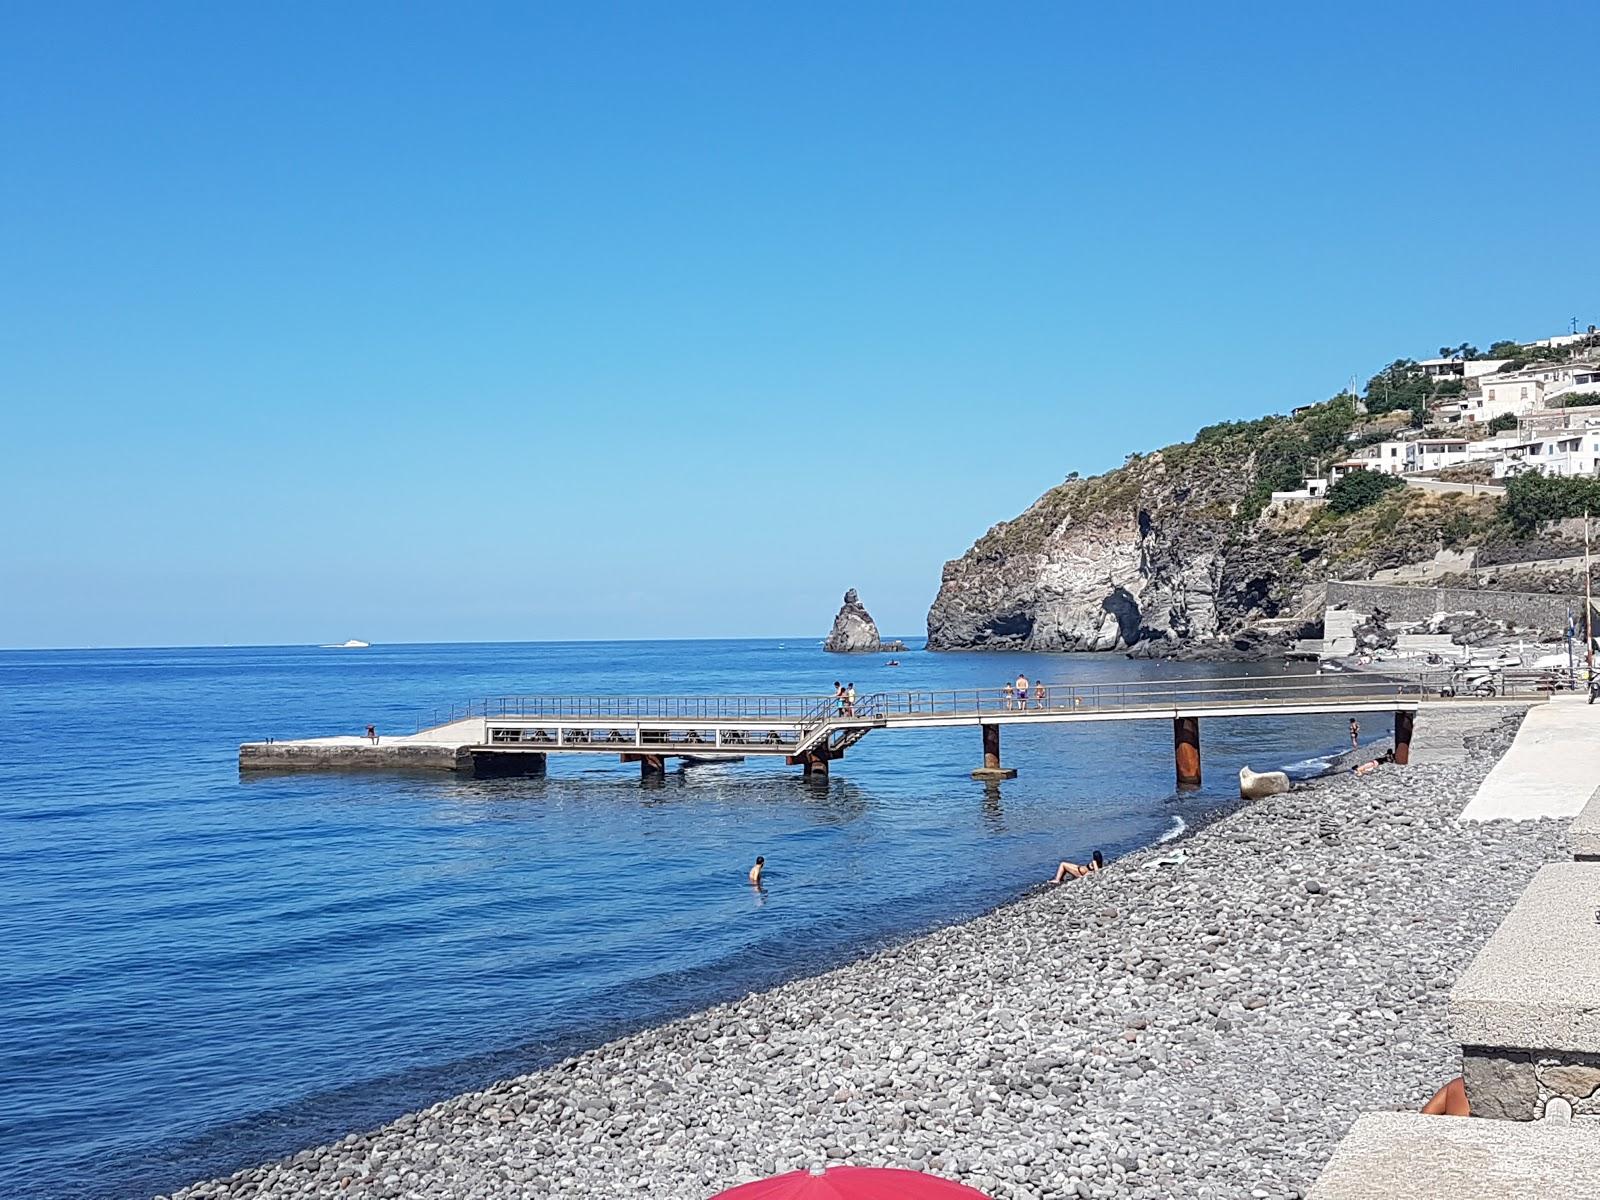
[[199, 971]]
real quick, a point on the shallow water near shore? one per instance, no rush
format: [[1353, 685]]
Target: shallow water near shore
[[202, 971]]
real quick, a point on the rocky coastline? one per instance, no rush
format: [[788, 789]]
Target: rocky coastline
[[1204, 1028]]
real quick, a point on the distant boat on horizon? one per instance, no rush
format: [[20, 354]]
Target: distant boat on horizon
[[352, 644]]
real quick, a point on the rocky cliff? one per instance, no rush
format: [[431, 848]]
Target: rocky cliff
[[854, 630], [1172, 555]]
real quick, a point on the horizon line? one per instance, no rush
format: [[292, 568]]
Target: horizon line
[[463, 642]]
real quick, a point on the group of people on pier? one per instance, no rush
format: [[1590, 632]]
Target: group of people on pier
[[1015, 693]]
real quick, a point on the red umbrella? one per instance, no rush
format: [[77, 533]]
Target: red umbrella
[[852, 1183]]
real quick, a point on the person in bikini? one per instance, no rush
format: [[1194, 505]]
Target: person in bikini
[[1071, 870]]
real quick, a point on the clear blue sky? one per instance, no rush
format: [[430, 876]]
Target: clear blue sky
[[436, 322]]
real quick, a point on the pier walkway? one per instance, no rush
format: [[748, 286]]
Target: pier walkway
[[516, 734]]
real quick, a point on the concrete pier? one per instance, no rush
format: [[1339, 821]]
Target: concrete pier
[[813, 731]]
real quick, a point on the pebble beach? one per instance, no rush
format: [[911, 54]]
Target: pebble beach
[[1207, 1027]]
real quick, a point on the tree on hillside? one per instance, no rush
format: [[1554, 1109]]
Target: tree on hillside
[[1398, 386], [1329, 424], [1505, 349], [1466, 351], [1504, 423], [1532, 498], [1359, 489]]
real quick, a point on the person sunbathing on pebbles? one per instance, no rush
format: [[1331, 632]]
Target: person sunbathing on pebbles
[[1071, 870]]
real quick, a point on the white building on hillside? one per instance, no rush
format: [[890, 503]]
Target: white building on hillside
[[1565, 339], [1460, 368], [1310, 489], [1433, 454], [1539, 385], [1574, 452], [1390, 457], [1348, 466]]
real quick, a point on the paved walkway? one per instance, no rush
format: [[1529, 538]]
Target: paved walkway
[[1551, 769]]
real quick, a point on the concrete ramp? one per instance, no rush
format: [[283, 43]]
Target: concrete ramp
[[1339, 632], [1551, 770]]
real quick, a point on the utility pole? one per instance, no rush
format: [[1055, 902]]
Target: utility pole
[[1588, 604]]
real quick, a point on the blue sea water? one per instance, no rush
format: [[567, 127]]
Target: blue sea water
[[200, 970]]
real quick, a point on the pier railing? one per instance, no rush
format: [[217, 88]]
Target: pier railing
[[811, 712], [630, 708]]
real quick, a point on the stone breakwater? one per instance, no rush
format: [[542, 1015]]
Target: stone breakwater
[[1206, 1029]]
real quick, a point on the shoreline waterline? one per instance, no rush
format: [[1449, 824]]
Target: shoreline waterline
[[1037, 1023]]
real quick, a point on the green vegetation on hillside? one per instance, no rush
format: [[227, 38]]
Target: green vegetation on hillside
[[1532, 498], [1360, 489]]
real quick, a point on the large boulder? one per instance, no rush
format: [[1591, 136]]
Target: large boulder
[[854, 631], [1258, 785]]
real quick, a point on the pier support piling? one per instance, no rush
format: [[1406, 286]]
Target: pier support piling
[[815, 762], [1403, 722], [1186, 750], [651, 766], [991, 769]]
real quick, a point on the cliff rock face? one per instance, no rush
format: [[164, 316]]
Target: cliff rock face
[[1138, 557], [853, 629], [1181, 553]]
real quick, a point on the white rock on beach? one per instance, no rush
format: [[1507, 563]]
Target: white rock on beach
[[1258, 785]]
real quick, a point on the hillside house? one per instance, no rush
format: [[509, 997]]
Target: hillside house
[[1575, 452], [1349, 466], [1391, 457], [1311, 489], [1433, 454], [1460, 368], [1540, 385]]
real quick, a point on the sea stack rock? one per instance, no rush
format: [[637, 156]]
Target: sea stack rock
[[854, 631]]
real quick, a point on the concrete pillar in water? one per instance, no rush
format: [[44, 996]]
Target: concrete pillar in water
[[651, 766], [1403, 722], [991, 769], [815, 762], [1186, 750]]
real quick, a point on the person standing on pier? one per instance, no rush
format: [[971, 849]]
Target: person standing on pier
[[1008, 695], [1038, 694], [1022, 691], [850, 700], [838, 696]]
